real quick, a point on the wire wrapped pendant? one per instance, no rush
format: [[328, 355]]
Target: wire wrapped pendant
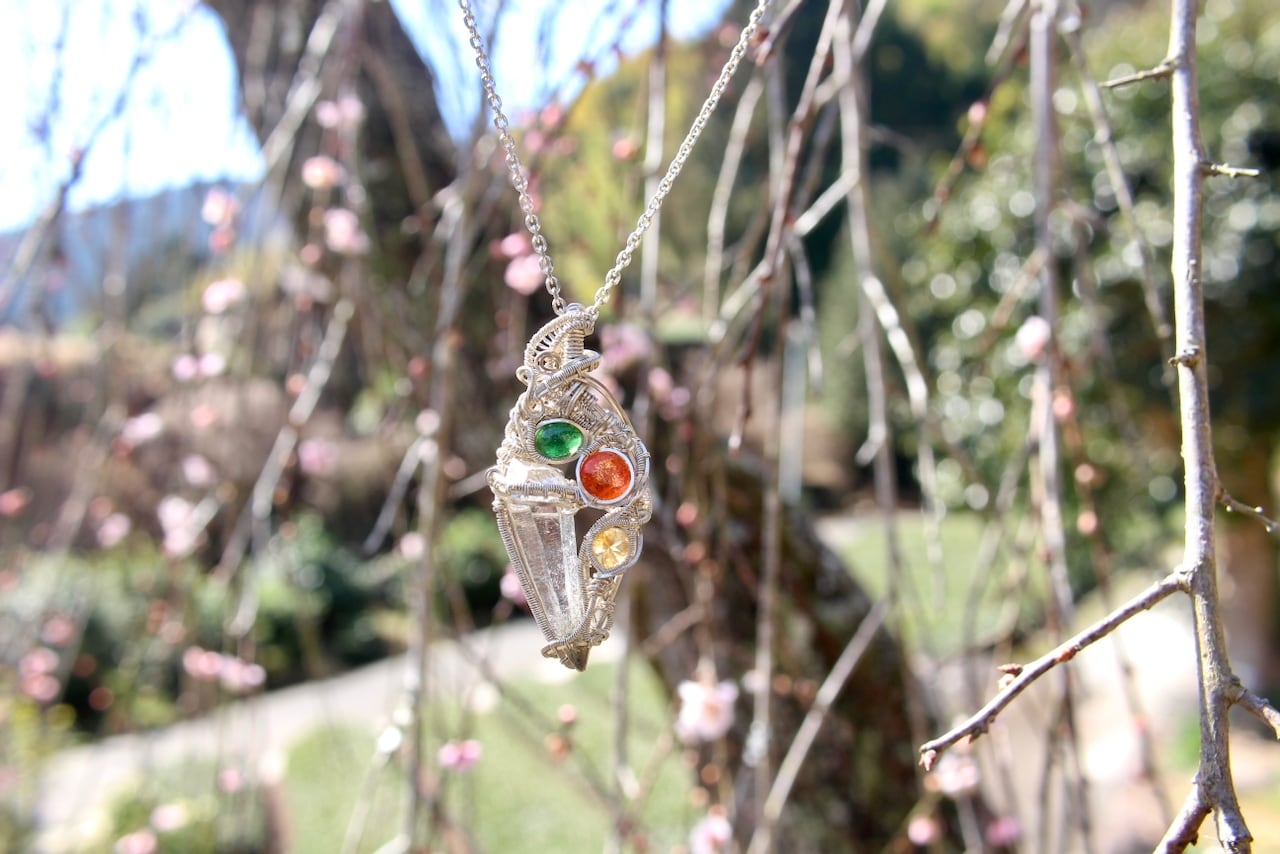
[[569, 446]]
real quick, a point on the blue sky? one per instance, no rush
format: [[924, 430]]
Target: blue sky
[[180, 123]]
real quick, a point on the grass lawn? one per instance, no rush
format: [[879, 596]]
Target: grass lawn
[[521, 795], [945, 608]]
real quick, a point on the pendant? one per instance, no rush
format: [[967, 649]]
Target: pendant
[[569, 446]]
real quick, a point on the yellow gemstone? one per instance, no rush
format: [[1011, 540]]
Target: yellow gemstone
[[611, 547]]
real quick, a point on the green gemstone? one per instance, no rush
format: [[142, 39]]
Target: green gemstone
[[557, 440]]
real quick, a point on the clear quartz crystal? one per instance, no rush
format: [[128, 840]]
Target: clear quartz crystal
[[546, 546]]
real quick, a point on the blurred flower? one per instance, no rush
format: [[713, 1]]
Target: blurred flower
[[1033, 337], [955, 775], [201, 664], [203, 416], [1003, 831], [342, 232], [514, 245], [459, 755], [625, 148], [58, 630], [142, 428], [212, 364], [230, 780], [240, 677], [220, 295], [113, 529], [712, 835], [138, 842], [317, 457], [412, 545], [41, 687], [14, 501], [321, 172], [923, 830], [185, 367], [219, 207], [511, 589], [167, 818], [38, 662], [343, 114], [182, 527], [567, 714], [623, 345], [706, 710], [198, 470], [221, 239], [524, 274]]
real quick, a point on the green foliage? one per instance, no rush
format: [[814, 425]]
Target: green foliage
[[186, 812]]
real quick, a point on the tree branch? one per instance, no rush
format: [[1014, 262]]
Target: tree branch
[[1023, 675]]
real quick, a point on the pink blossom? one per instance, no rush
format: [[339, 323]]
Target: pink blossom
[[1033, 337], [230, 780], [142, 428], [524, 274], [58, 630], [706, 710], [222, 294], [342, 114], [514, 245], [138, 842], [14, 501], [955, 775], [924, 830], [511, 589], [38, 662], [203, 416], [317, 457], [321, 172], [342, 232], [185, 368], [712, 835], [623, 345], [240, 677], [212, 364], [167, 818], [41, 687], [567, 714], [219, 207], [1003, 831], [173, 512], [113, 529], [198, 470], [459, 755], [412, 545], [625, 148], [202, 664], [181, 525]]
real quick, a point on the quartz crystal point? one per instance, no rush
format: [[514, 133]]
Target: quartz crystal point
[[543, 537]]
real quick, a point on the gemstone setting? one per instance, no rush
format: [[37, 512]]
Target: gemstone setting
[[611, 548], [558, 440], [606, 476]]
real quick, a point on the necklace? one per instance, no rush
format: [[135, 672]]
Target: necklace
[[566, 418]]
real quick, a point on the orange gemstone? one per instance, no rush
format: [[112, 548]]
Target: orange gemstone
[[605, 475]]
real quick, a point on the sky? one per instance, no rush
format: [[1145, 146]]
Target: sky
[[179, 124]]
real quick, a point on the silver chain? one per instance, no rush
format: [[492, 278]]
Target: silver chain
[[521, 182]]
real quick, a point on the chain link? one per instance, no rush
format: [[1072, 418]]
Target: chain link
[[520, 181]]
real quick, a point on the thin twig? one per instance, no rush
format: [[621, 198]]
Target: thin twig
[[1023, 675], [1259, 707], [1160, 72], [1234, 505]]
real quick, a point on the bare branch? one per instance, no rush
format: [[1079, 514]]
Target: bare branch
[[1229, 171], [1160, 72], [1257, 706], [1023, 675], [1185, 829], [1234, 505]]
